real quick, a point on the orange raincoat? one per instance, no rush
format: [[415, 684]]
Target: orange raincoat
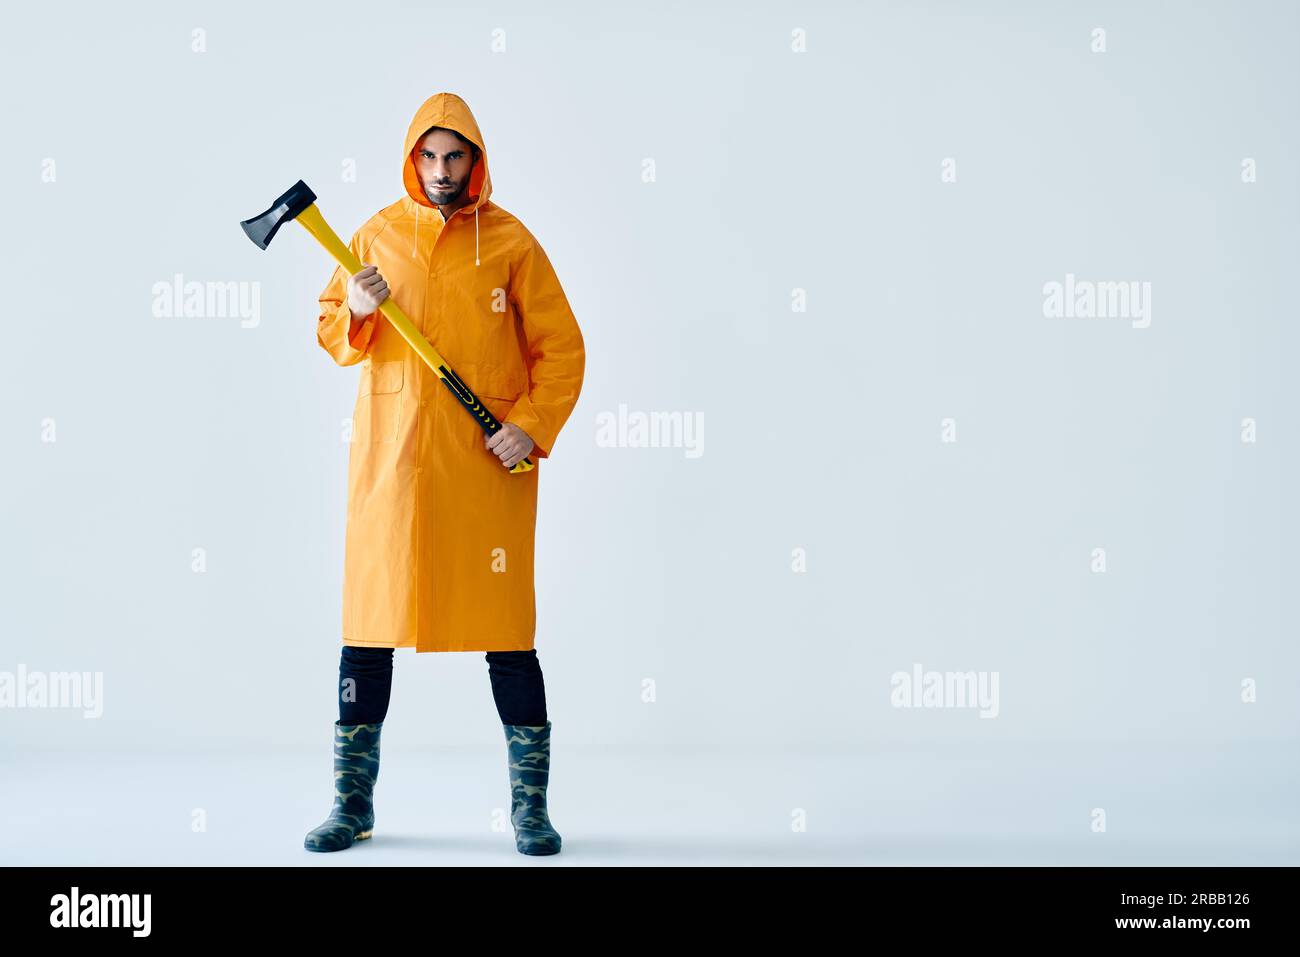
[[439, 549]]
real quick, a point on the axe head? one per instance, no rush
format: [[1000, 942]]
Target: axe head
[[261, 229]]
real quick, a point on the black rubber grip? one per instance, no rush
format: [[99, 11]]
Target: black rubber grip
[[465, 395]]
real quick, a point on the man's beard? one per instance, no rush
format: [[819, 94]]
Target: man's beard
[[443, 195]]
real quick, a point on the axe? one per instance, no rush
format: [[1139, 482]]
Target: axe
[[299, 203]]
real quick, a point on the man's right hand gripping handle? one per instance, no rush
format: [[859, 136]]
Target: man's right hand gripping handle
[[366, 292]]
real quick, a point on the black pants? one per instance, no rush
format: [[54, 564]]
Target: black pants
[[366, 682]]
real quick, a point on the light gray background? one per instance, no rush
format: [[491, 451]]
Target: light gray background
[[775, 171]]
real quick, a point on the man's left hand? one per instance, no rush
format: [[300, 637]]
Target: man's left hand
[[511, 444]]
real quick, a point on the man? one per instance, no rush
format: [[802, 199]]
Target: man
[[439, 547]]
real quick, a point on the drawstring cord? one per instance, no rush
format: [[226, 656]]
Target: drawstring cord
[[416, 242]]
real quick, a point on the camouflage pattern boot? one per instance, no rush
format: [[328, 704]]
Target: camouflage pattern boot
[[356, 767], [529, 752]]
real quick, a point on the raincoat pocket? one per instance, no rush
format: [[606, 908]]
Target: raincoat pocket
[[495, 389], [499, 405], [379, 401], [381, 377]]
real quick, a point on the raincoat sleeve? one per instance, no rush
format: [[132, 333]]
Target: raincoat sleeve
[[335, 321], [555, 354]]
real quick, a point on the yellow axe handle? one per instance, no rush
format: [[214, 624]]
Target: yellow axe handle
[[314, 223]]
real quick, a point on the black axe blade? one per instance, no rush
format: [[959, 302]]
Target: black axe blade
[[261, 229]]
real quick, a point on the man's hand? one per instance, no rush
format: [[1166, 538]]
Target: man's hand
[[510, 443], [366, 291]]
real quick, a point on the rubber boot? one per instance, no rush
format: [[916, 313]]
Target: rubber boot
[[529, 751], [356, 767]]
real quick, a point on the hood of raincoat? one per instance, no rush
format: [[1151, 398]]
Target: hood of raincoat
[[450, 112]]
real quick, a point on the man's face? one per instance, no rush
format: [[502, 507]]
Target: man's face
[[444, 164]]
